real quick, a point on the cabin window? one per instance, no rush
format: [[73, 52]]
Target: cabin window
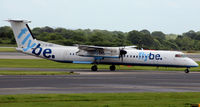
[[70, 54], [136, 56], [131, 56], [180, 55], [127, 56], [73, 53]]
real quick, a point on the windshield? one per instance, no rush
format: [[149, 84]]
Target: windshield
[[180, 55]]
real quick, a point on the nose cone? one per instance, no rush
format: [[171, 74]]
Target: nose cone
[[196, 64], [191, 63]]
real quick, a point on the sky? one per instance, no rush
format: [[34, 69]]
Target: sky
[[168, 16]]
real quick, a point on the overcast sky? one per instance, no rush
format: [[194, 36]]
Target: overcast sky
[[169, 16]]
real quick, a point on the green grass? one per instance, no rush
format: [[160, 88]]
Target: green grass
[[7, 49], [8, 45], [35, 73], [42, 63], [101, 100], [192, 51]]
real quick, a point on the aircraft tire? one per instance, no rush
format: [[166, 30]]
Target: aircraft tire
[[112, 68], [94, 68], [187, 70]]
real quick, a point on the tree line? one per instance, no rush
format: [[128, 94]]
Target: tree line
[[143, 39]]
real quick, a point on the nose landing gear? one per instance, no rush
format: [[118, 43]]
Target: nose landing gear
[[187, 70]]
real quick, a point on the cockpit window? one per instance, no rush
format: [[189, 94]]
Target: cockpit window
[[180, 55]]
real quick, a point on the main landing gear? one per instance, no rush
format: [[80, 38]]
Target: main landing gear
[[187, 70], [112, 68], [95, 68]]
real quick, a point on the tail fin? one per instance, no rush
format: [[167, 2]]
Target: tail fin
[[23, 35]]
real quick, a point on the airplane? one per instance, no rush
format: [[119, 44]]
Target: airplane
[[87, 54]]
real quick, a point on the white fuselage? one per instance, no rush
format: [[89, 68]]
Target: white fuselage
[[68, 54]]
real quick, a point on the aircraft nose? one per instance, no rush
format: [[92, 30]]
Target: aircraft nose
[[192, 63], [195, 64]]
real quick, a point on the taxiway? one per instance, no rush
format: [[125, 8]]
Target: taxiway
[[102, 82]]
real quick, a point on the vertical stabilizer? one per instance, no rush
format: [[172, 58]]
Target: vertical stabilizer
[[23, 36]]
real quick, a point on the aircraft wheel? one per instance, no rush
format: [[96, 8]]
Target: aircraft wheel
[[94, 68], [112, 68], [187, 70]]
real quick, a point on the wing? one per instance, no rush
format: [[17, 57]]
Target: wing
[[97, 51], [90, 48]]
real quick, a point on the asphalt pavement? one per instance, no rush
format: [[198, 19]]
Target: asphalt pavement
[[103, 81]]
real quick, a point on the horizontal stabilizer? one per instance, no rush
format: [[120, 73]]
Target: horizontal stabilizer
[[21, 21]]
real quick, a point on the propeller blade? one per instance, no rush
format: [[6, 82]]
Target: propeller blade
[[122, 54]]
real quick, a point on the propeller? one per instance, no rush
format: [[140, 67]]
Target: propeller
[[122, 53]]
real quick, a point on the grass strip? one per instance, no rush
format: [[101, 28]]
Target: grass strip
[[8, 49], [35, 73], [8, 45], [43, 63], [173, 99]]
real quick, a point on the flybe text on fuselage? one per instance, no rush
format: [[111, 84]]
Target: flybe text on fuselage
[[37, 50], [149, 56]]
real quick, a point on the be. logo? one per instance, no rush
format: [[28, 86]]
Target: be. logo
[[46, 53]]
